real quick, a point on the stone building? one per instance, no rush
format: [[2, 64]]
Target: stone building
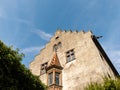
[[71, 60]]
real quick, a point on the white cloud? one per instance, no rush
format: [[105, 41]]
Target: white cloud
[[4, 15], [19, 20], [31, 49], [42, 34], [22, 20]]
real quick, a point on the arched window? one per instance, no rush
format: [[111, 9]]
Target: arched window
[[55, 47], [59, 45]]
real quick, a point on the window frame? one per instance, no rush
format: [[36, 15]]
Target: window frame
[[57, 78], [50, 78], [57, 46], [70, 55], [54, 77], [43, 68]]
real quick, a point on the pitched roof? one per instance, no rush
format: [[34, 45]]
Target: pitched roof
[[54, 62]]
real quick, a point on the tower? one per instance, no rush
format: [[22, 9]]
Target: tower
[[54, 74]]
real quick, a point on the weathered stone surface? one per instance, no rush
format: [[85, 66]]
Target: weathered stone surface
[[89, 65]]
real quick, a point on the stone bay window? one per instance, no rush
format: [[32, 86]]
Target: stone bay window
[[54, 74], [54, 77], [50, 78], [57, 78]]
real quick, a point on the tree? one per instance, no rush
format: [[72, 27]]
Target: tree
[[13, 74], [108, 84]]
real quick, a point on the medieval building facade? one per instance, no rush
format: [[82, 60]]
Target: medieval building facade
[[72, 60]]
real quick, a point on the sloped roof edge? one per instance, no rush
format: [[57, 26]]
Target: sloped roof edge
[[105, 55]]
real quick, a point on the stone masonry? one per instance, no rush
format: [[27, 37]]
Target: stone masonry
[[89, 62]]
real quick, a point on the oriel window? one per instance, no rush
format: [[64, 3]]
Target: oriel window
[[50, 78], [57, 78]]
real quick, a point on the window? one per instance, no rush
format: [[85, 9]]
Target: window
[[70, 55], [57, 77], [57, 46], [57, 37], [50, 78], [43, 68]]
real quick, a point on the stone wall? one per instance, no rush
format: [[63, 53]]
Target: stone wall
[[89, 64]]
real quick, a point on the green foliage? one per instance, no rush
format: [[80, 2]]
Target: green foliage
[[94, 86], [13, 74], [109, 84]]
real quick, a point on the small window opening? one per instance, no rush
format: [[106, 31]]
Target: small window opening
[[57, 37], [70, 55], [55, 47], [59, 44], [43, 68]]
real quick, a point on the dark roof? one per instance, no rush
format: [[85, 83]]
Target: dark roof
[[104, 55]]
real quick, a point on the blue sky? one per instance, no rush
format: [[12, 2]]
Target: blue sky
[[29, 24]]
